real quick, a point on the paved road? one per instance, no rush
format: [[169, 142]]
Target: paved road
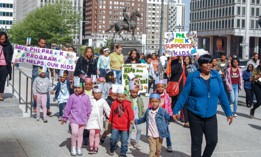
[[25, 137]]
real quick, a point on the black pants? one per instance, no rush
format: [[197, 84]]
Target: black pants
[[249, 96], [3, 76], [174, 99], [257, 90], [185, 112], [198, 127]]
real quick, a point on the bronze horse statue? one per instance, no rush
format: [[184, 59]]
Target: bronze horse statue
[[123, 25]]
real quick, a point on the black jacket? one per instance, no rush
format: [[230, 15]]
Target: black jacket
[[8, 52], [88, 67], [176, 71]]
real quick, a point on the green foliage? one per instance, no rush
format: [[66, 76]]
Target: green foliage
[[82, 49], [56, 22]]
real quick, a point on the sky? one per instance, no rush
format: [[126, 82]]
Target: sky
[[187, 2]]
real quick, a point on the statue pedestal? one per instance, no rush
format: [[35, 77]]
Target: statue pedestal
[[127, 46]]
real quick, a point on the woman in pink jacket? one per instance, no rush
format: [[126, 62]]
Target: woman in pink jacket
[[234, 83]]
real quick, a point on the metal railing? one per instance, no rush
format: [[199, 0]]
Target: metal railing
[[28, 101]]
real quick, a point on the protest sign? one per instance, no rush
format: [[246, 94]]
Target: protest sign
[[141, 73], [180, 43], [56, 59]]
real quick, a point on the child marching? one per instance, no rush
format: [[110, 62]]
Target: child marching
[[95, 122], [78, 110]]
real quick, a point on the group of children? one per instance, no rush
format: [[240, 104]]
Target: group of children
[[91, 104]]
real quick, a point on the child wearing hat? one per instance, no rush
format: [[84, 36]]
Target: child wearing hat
[[95, 122], [110, 80], [62, 91], [120, 117], [78, 110], [41, 87], [165, 103], [88, 86], [138, 109], [112, 96], [156, 119]]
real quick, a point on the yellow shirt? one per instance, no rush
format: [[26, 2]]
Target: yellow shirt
[[116, 61]]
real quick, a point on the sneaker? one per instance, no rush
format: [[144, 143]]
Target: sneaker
[[169, 149], [251, 113], [73, 151], [129, 145], [235, 115], [137, 146], [45, 120], [60, 119], [123, 155], [37, 118], [49, 113], [111, 152], [102, 140], [79, 152]]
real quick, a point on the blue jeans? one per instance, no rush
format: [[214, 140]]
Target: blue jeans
[[34, 75], [138, 133], [102, 72], [168, 139], [115, 134], [61, 107], [234, 97], [118, 76]]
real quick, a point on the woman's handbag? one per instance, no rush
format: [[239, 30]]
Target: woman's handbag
[[173, 87]]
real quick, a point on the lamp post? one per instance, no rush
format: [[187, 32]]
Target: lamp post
[[161, 28]]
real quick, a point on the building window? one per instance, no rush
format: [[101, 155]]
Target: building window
[[243, 23], [252, 11], [243, 11], [257, 11], [238, 23], [252, 24], [253, 1], [238, 10]]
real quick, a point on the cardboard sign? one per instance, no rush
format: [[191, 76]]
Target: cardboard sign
[[141, 76], [181, 43], [50, 58]]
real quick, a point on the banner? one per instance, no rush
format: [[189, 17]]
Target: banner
[[181, 43], [56, 59], [141, 76]]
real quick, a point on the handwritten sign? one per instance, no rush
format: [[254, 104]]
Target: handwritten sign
[[56, 59], [141, 73], [180, 43]]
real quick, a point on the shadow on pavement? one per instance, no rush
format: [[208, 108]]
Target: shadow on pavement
[[66, 143], [255, 126], [239, 114], [7, 95]]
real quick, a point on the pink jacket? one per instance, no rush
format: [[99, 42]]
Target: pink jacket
[[167, 103], [229, 82]]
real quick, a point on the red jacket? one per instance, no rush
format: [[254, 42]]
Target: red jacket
[[121, 115]]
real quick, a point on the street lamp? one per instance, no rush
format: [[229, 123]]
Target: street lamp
[[81, 29], [161, 28]]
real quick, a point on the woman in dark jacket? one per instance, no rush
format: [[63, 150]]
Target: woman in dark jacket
[[133, 58], [176, 72], [6, 55], [86, 64], [247, 77]]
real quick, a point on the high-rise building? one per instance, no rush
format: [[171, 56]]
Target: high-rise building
[[6, 14], [229, 26], [176, 15], [100, 15], [153, 23]]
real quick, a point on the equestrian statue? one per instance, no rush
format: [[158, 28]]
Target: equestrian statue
[[128, 24]]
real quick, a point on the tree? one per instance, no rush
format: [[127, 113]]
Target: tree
[[56, 22]]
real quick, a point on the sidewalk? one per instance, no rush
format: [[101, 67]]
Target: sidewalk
[[26, 137]]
